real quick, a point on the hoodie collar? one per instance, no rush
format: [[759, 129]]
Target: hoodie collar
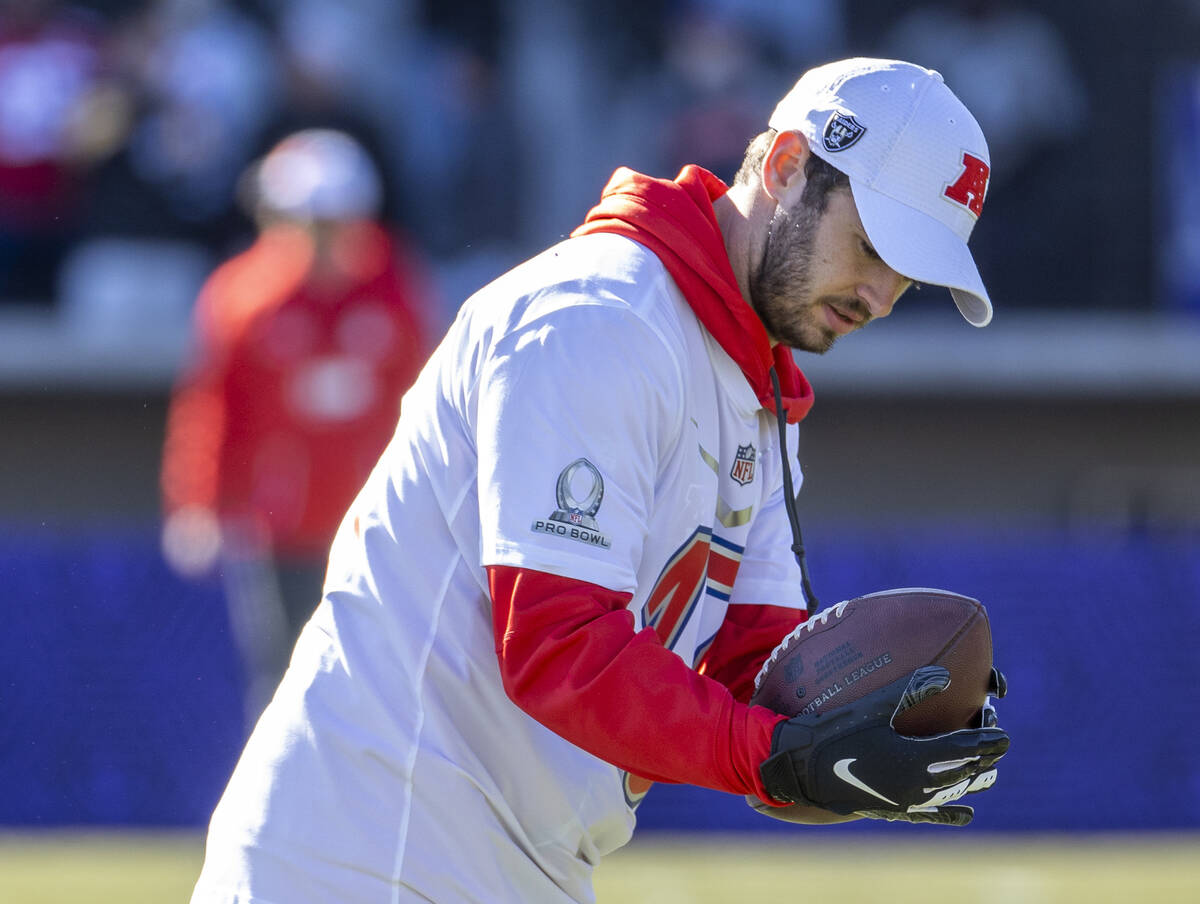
[[675, 219]]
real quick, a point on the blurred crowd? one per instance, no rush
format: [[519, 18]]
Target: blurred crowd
[[127, 126]]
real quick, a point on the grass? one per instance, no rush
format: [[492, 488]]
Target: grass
[[1020, 870], [132, 868], [99, 868]]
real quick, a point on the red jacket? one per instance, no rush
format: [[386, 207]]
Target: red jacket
[[296, 385]]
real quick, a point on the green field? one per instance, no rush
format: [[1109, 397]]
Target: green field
[[1146, 869]]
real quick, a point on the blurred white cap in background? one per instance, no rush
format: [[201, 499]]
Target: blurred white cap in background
[[317, 174]]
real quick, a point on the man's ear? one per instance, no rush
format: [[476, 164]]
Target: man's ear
[[783, 168]]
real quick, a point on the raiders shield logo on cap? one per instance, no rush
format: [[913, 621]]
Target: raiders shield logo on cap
[[841, 132]]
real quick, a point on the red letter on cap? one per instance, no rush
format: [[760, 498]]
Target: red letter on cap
[[971, 186]]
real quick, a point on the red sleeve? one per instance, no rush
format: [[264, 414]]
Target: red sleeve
[[196, 421], [570, 658], [744, 641]]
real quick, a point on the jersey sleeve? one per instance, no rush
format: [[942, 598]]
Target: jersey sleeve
[[576, 407], [196, 417], [570, 658]]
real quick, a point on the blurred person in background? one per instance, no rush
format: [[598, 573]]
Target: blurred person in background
[[305, 343], [60, 115]]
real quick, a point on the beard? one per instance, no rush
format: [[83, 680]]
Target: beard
[[781, 287]]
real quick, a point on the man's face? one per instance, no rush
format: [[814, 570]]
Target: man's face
[[819, 276]]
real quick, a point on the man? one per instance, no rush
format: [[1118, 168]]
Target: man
[[305, 343], [558, 583]]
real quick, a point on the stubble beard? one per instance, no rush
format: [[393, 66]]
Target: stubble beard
[[781, 290]]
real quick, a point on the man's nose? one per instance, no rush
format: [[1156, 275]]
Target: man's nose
[[881, 291]]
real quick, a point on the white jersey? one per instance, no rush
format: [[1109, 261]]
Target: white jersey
[[576, 420]]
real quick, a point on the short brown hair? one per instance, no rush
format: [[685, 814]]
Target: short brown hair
[[822, 178]]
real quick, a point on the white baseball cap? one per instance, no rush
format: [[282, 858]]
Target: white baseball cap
[[917, 161], [320, 174]]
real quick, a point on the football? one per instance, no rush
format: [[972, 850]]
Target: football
[[857, 646]]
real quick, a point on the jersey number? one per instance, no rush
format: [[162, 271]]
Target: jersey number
[[673, 601], [678, 588]]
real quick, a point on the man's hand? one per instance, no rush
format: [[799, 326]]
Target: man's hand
[[191, 541], [853, 761]]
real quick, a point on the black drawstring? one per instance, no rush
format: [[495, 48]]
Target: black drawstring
[[789, 498]]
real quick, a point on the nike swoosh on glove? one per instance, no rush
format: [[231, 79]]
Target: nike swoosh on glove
[[853, 761]]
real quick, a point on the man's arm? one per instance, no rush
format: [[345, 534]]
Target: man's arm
[[569, 657], [745, 639]]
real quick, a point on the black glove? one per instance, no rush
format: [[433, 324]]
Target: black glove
[[997, 687], [851, 760]]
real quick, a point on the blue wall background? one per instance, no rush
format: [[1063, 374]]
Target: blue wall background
[[120, 692]]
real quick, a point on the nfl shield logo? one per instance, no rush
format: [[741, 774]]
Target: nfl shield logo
[[841, 132], [743, 465]]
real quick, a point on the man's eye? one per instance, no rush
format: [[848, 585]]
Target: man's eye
[[868, 250]]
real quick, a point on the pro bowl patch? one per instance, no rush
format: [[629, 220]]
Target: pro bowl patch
[[575, 518]]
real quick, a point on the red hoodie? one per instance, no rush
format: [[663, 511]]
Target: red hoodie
[[568, 652], [677, 222]]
